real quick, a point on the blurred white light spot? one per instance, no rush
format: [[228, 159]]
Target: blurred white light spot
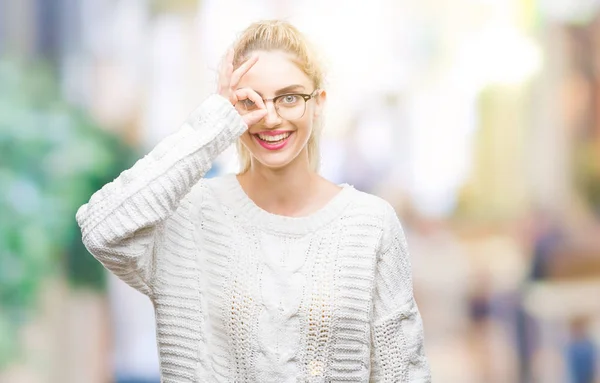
[[500, 55]]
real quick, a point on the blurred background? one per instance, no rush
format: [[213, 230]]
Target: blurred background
[[479, 120]]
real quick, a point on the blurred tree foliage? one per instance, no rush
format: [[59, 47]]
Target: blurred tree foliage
[[52, 158], [587, 173]]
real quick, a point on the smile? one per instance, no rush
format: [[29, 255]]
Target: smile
[[274, 139], [273, 142]]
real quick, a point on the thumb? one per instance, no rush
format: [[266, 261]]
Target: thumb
[[254, 117]]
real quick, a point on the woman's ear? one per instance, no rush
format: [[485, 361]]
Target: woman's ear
[[320, 99]]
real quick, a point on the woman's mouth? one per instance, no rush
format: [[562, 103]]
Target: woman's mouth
[[273, 141]]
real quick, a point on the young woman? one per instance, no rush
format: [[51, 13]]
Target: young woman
[[274, 274]]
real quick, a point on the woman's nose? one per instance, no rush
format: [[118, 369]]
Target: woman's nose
[[272, 117]]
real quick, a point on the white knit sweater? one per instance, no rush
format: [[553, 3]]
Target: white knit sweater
[[242, 295]]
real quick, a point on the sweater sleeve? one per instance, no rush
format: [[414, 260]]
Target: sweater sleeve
[[121, 222], [397, 352]]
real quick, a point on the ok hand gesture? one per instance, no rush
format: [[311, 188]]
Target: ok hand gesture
[[228, 87]]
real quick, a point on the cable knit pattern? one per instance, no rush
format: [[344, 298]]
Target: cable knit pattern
[[242, 295]]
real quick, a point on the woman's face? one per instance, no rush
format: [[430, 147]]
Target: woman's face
[[281, 138]]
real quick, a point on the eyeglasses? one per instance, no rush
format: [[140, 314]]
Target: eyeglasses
[[290, 106]]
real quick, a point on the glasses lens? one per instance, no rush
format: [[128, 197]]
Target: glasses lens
[[290, 106], [245, 106]]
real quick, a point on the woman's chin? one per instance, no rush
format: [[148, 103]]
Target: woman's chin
[[274, 161], [280, 158]]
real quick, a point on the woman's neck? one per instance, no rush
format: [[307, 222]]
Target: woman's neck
[[290, 191]]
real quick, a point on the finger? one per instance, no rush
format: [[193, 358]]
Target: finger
[[225, 71], [250, 94], [254, 117], [242, 70]]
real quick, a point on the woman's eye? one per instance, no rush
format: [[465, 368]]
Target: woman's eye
[[290, 98], [248, 104]]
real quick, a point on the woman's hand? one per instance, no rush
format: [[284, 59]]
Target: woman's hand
[[228, 87]]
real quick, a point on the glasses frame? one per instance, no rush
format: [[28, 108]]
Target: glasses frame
[[305, 96]]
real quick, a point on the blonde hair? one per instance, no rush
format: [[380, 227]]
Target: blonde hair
[[270, 35]]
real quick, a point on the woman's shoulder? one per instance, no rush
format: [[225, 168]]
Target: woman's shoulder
[[376, 213], [371, 204], [219, 183], [207, 189]]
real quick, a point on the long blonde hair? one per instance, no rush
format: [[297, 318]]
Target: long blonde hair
[[270, 35]]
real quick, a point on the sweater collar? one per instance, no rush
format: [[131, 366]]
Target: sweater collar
[[238, 200]]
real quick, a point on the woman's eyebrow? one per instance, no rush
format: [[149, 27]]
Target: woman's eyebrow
[[287, 89]]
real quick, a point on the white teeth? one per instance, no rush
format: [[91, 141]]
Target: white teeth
[[276, 138]]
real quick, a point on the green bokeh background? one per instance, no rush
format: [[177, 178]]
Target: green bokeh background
[[52, 158]]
